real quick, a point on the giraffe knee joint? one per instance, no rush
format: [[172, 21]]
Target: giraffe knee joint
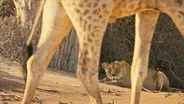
[[143, 74], [86, 73], [34, 69]]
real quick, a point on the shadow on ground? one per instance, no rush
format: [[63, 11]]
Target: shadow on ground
[[10, 82]]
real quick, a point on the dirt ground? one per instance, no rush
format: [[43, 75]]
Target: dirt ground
[[58, 87]]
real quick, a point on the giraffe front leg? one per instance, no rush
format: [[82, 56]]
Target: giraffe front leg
[[87, 72], [145, 26], [89, 18]]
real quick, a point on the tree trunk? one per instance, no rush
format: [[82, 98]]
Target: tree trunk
[[66, 55], [25, 10]]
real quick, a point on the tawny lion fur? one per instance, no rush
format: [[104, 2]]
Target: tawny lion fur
[[120, 71]]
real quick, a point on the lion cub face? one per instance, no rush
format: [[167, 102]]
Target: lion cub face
[[114, 71]]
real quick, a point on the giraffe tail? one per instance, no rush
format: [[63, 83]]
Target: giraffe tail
[[27, 51]]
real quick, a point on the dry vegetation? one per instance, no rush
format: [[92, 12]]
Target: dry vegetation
[[167, 50]]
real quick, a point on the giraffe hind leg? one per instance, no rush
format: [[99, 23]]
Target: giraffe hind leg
[[51, 36]]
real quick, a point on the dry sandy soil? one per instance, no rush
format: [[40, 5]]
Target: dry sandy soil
[[58, 87]]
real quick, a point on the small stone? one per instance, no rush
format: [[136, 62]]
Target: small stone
[[84, 94]]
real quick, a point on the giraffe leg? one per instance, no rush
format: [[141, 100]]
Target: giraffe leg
[[53, 31], [145, 26], [90, 19]]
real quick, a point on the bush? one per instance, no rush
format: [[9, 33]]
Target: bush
[[167, 50], [7, 8]]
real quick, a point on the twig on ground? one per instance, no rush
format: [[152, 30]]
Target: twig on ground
[[64, 103], [12, 95], [37, 100], [147, 90]]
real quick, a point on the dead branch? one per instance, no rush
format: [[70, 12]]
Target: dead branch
[[37, 100]]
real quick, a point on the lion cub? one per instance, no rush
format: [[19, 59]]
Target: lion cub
[[119, 73]]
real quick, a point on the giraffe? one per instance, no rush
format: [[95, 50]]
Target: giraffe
[[90, 19]]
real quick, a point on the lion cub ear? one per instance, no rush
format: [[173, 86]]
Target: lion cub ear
[[105, 65], [122, 62]]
